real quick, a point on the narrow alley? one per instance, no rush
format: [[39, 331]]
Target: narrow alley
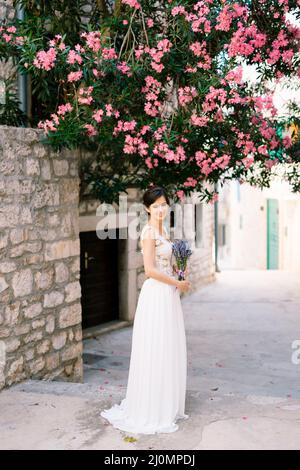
[[243, 389]]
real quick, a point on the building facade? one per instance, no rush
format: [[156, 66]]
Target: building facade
[[259, 229]]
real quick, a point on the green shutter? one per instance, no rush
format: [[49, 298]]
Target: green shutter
[[272, 234]]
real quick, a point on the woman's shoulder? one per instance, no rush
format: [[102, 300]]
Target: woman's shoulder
[[148, 231]]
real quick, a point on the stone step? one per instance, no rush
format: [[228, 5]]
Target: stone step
[[58, 388]]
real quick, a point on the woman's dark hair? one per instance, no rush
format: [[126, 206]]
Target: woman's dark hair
[[154, 193]]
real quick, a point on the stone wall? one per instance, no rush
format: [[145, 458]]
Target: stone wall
[[7, 10], [40, 308]]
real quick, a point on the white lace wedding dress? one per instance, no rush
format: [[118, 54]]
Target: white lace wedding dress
[[156, 388]]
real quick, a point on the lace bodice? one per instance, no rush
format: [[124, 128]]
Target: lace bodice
[[163, 250]]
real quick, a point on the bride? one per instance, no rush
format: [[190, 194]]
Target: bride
[[156, 389]]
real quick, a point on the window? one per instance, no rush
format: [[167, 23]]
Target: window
[[222, 234]]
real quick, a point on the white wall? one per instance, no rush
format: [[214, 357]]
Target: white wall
[[246, 220]]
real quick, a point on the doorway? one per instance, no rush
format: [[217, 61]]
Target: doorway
[[99, 279]]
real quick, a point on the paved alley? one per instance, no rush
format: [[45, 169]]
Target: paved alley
[[243, 389]]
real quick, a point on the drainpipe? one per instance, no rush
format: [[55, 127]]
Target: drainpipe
[[216, 207], [22, 79]]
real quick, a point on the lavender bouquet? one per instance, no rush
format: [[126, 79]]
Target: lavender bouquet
[[182, 252]]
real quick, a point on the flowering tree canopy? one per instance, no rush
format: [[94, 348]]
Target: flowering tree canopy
[[156, 91]]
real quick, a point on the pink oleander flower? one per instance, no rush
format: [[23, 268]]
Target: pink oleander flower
[[235, 75], [85, 100], [248, 161], [64, 108], [200, 121], [124, 68], [93, 40], [124, 126], [150, 23], [159, 132], [20, 40], [157, 67], [245, 41], [55, 118], [200, 156], [45, 60], [230, 12], [132, 3], [109, 54], [181, 195], [191, 69], [11, 29], [91, 130], [151, 109], [86, 91], [97, 115], [190, 182], [262, 149], [214, 94], [85, 95], [7, 37], [274, 143], [218, 117], [74, 76], [145, 129], [287, 56], [186, 95], [162, 150], [135, 145], [109, 110], [139, 52], [179, 10], [74, 57], [199, 50], [266, 131], [164, 45], [152, 89], [79, 48], [156, 55], [47, 126]]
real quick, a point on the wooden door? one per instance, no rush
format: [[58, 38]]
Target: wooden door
[[99, 279]]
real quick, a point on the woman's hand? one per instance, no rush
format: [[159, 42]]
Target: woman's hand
[[183, 286]]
